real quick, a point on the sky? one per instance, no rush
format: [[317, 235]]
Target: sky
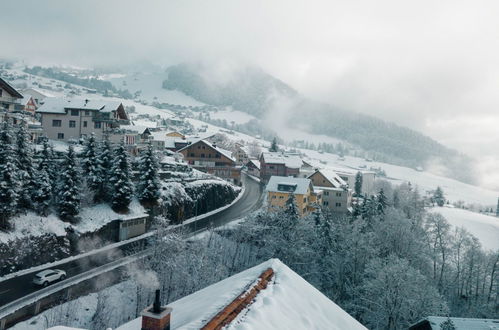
[[429, 65]]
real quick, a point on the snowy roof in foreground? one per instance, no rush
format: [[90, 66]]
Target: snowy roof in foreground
[[460, 323], [59, 105], [289, 302], [302, 184], [291, 161]]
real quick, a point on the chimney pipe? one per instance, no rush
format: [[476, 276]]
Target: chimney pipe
[[156, 307]]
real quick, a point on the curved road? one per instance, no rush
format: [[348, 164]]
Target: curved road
[[18, 287]]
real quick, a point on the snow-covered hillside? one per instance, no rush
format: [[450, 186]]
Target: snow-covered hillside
[[483, 227]]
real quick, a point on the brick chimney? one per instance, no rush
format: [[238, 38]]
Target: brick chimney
[[156, 317]]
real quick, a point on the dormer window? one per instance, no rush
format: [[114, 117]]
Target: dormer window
[[288, 187]]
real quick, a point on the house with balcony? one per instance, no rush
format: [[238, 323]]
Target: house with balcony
[[208, 157], [279, 189], [64, 119], [10, 98], [336, 195]]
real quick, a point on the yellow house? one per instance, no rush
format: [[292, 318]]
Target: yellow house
[[176, 134], [280, 188]]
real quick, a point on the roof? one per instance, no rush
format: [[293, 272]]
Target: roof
[[60, 105], [288, 302], [224, 152], [459, 323], [291, 161], [11, 90], [31, 90], [255, 162], [332, 177], [302, 184], [26, 99]]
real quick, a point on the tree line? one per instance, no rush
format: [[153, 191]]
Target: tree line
[[44, 182]]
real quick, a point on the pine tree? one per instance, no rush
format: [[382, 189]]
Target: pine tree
[[497, 208], [358, 184], [43, 192], [122, 191], [68, 203], [381, 202], [46, 163], [149, 186], [447, 325], [104, 167], [90, 166], [273, 146], [24, 160], [291, 210], [8, 177], [438, 197]]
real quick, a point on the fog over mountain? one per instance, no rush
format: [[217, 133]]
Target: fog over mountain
[[431, 66]]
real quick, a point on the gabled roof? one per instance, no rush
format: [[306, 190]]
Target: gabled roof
[[255, 162], [460, 323], [288, 302], [224, 152], [60, 105], [332, 177], [9, 89], [302, 185], [26, 99], [291, 161]]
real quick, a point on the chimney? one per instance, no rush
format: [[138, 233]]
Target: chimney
[[156, 317], [86, 101]]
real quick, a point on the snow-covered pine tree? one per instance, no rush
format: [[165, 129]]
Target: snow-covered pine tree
[[104, 167], [438, 197], [46, 163], [43, 192], [122, 190], [274, 147], [8, 177], [381, 202], [68, 202], [291, 210], [149, 186], [26, 175], [90, 165], [358, 184]]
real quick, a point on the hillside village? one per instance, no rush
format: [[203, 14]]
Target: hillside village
[[167, 171]]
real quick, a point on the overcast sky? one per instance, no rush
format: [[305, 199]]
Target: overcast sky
[[430, 65]]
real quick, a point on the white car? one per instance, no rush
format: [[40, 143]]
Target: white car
[[48, 276]]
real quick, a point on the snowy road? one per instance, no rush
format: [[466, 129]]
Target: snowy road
[[18, 287]]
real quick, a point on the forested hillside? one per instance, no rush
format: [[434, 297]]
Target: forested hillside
[[255, 92]]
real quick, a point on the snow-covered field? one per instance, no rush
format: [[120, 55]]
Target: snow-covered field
[[483, 227], [231, 115]]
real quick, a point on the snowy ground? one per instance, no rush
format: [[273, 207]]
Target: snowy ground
[[483, 227], [231, 115]]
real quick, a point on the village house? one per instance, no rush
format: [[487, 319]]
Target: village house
[[208, 157], [241, 154], [279, 164], [172, 141], [10, 98], [458, 323], [348, 175], [64, 119], [29, 104], [336, 196], [253, 167], [37, 95], [279, 189]]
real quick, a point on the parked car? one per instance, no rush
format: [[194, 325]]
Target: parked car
[[49, 276]]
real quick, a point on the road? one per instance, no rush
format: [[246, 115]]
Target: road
[[18, 287]]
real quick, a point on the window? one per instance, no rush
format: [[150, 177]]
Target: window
[[217, 155], [72, 123], [87, 113], [338, 194], [325, 203], [202, 155], [338, 204], [326, 193], [56, 123], [74, 112], [209, 155], [60, 136], [304, 199], [97, 124], [1, 91], [192, 154], [273, 197], [85, 123]]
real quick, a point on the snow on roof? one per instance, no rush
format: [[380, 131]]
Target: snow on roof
[[37, 91], [291, 161], [25, 99], [332, 177], [59, 105], [134, 128], [145, 123], [9, 89], [289, 302], [463, 323], [255, 162], [302, 184]]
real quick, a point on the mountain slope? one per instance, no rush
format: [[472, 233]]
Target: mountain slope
[[253, 91]]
